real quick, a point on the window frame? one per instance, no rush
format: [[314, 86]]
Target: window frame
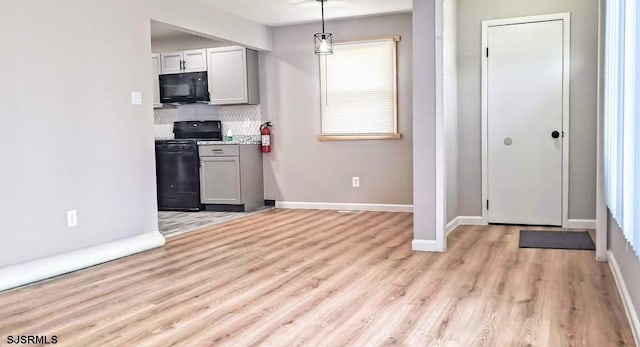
[[396, 135]]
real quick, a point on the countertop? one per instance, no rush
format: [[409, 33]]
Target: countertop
[[233, 142], [237, 140]]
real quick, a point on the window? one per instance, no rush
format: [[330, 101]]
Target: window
[[622, 117], [359, 91]]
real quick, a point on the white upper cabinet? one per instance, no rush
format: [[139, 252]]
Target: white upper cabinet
[[232, 72], [156, 68], [194, 60], [233, 75], [172, 62]]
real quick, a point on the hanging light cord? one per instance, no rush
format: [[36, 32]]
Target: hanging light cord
[[322, 9], [326, 75]]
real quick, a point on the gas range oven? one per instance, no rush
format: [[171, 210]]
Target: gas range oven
[[177, 165]]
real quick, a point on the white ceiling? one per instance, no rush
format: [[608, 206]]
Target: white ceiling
[[161, 31], [283, 12]]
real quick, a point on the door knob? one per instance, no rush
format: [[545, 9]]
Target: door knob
[[555, 134]]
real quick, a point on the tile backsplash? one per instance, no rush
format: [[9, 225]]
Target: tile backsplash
[[241, 119]]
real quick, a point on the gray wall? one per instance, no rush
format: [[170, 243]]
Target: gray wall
[[71, 138], [584, 50], [424, 120], [67, 147], [450, 85], [302, 168], [628, 262]]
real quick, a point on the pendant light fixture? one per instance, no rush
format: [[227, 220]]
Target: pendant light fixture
[[323, 40]]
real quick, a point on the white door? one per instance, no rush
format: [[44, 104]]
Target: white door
[[227, 75], [156, 67], [524, 115], [172, 62], [194, 60]]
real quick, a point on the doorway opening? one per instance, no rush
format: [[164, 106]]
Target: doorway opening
[[206, 128]]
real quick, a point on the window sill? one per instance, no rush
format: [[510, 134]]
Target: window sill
[[359, 137]]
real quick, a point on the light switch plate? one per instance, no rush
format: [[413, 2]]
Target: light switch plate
[[136, 98]]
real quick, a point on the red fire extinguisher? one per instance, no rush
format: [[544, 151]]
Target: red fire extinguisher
[[266, 137]]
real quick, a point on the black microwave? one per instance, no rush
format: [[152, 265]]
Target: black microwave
[[184, 88]]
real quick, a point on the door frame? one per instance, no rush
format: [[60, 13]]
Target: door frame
[[566, 71]]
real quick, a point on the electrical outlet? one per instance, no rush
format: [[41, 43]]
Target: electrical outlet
[[355, 182], [72, 218]]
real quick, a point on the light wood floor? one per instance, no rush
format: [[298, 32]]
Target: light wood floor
[[173, 223], [320, 278]]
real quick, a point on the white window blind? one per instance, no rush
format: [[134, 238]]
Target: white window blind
[[358, 89], [622, 117]]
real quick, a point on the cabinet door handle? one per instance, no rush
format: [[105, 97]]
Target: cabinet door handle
[[217, 150], [184, 65]]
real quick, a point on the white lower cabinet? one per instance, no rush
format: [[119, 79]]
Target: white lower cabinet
[[231, 175], [220, 180]]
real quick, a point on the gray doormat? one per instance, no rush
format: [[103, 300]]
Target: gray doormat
[[556, 240]]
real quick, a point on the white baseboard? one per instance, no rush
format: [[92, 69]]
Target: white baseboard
[[464, 220], [36, 270], [478, 220], [472, 220], [451, 226], [426, 246], [632, 314], [344, 206], [581, 223]]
